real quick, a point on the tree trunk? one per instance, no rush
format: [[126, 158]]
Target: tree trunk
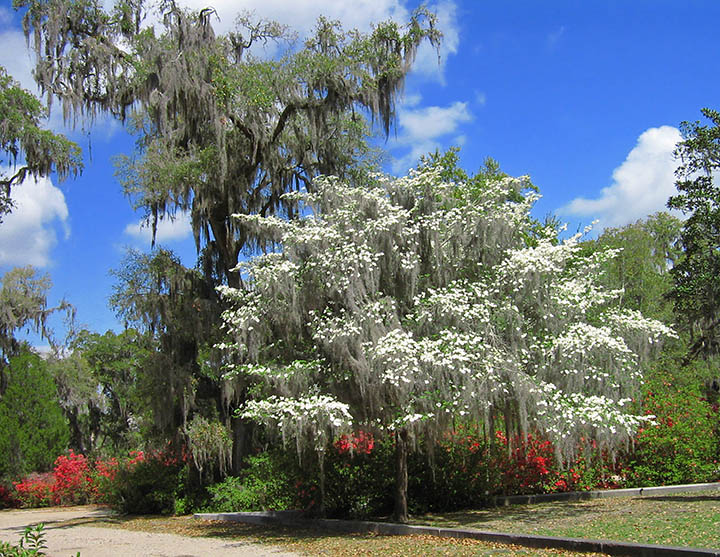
[[401, 476], [241, 433], [321, 462]]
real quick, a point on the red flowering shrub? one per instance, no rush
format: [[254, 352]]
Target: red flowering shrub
[[528, 466], [73, 482], [35, 490], [362, 442], [103, 476]]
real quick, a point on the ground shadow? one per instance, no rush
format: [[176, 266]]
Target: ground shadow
[[682, 498], [518, 513]]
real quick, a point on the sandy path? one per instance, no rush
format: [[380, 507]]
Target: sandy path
[[65, 540]]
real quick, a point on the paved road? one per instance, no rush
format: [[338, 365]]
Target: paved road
[[65, 540]]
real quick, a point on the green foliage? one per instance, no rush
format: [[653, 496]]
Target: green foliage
[[21, 138], [148, 484], [33, 429], [23, 303], [267, 483], [177, 311], [359, 484], [649, 249], [696, 289], [31, 543], [102, 381], [210, 444], [683, 447]]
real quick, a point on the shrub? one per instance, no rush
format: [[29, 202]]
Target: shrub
[[35, 490], [267, 483], [8, 498], [73, 483], [103, 477], [359, 478], [145, 483], [683, 445]]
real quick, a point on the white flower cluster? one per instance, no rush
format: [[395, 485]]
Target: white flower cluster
[[313, 419], [427, 301]]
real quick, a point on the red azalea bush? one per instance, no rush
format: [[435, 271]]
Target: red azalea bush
[[73, 483], [126, 483], [35, 490]]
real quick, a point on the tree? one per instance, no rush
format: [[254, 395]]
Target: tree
[[696, 278], [420, 301], [22, 139], [23, 303], [649, 249], [178, 312], [101, 389], [220, 131], [33, 431]]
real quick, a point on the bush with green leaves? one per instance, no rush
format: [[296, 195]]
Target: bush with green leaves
[[683, 446], [268, 483], [359, 476], [148, 483]]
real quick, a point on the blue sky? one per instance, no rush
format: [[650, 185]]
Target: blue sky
[[585, 97]]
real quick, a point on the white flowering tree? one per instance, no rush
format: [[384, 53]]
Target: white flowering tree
[[426, 299]]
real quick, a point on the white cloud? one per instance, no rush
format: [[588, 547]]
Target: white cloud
[[422, 128], [28, 233], [427, 62], [302, 15], [432, 121], [17, 60], [641, 185], [168, 230]]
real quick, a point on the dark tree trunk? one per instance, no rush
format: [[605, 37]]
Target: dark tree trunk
[[401, 476], [241, 433]]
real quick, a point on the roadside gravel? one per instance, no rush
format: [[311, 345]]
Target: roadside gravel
[[72, 529]]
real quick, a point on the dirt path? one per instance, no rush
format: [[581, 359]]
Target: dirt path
[[69, 530]]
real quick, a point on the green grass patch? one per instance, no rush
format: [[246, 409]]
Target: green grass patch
[[688, 519]]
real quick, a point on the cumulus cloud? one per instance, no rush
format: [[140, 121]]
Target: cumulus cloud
[[28, 233], [641, 185], [421, 129], [168, 229]]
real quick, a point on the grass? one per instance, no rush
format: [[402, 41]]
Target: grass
[[689, 519], [684, 519]]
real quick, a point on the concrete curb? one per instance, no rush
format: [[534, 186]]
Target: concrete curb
[[598, 494], [294, 519]]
